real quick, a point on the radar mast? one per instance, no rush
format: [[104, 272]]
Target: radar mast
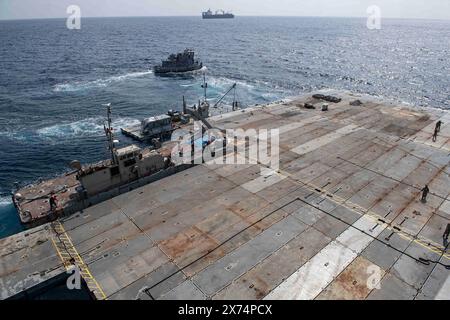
[[109, 133]]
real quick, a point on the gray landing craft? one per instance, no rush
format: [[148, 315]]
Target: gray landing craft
[[86, 185], [181, 62]]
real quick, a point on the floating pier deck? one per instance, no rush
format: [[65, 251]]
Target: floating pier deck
[[340, 219]]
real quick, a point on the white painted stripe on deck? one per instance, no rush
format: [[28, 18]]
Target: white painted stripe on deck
[[268, 177], [429, 128], [298, 124], [445, 127], [445, 207], [323, 140], [356, 240], [439, 144], [444, 292], [315, 275], [427, 139], [295, 125], [307, 282]]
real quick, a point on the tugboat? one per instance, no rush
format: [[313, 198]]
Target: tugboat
[[220, 14], [181, 62]]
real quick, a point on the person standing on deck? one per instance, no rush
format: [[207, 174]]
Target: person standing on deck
[[52, 201], [425, 191], [446, 234], [438, 126]]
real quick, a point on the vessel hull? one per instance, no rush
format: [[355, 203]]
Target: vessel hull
[[160, 70], [224, 16]]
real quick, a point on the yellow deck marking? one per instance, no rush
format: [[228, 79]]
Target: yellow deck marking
[[364, 211], [437, 248], [69, 255]]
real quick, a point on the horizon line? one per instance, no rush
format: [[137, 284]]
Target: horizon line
[[199, 16]]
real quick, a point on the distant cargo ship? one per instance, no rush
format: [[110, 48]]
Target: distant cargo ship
[[219, 14]]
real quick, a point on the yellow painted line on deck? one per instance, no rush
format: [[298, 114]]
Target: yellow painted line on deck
[[425, 243], [439, 249], [70, 251]]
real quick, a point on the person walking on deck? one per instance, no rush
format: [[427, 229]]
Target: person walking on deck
[[425, 191], [438, 125]]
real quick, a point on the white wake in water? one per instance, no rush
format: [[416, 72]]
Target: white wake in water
[[246, 92], [226, 83], [5, 201], [219, 85], [85, 127], [80, 85]]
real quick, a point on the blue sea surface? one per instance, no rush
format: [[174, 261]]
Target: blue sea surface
[[53, 81]]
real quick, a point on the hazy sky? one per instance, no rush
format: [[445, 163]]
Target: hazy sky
[[25, 9]]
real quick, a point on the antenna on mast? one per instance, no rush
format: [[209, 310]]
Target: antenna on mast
[[109, 132]]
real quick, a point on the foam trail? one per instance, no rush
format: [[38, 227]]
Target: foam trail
[[14, 135], [225, 83], [82, 127], [85, 127], [188, 85], [5, 201], [79, 85]]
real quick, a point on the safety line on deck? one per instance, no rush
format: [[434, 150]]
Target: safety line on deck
[[426, 243], [419, 260], [438, 249], [394, 179], [70, 257]]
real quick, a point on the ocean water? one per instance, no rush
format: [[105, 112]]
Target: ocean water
[[53, 81]]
